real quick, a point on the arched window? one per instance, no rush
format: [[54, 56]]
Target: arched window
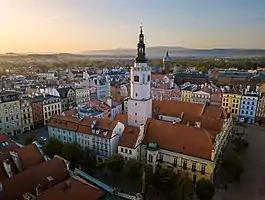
[[136, 78], [143, 78], [148, 79]]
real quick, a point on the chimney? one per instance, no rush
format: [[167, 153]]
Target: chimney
[[7, 167], [38, 189], [50, 180]]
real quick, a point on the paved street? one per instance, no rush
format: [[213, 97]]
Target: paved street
[[41, 132], [252, 185]]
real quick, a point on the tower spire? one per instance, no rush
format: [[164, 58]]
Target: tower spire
[[141, 48]]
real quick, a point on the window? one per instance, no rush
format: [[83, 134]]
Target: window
[[130, 151], [136, 104], [143, 78], [125, 150], [160, 157], [148, 79], [150, 158], [175, 162], [136, 78], [193, 167], [135, 121], [184, 164], [136, 94], [203, 169], [135, 113]]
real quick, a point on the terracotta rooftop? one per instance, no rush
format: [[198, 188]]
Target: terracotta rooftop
[[179, 138], [176, 108], [122, 118], [72, 189], [71, 112], [6, 144], [64, 122], [105, 126], [129, 137], [28, 180], [29, 156]]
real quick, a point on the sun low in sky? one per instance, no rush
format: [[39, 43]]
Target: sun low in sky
[[78, 25]]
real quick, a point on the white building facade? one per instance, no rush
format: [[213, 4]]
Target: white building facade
[[82, 95], [140, 101]]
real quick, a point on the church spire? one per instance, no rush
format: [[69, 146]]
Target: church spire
[[141, 48]]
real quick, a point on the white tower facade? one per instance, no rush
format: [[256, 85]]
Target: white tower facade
[[140, 101]]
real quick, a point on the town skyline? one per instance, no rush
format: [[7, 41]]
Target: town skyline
[[76, 26]]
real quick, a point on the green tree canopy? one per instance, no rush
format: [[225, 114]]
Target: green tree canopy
[[184, 189], [53, 147], [164, 179], [132, 168], [115, 163], [204, 189], [73, 153]]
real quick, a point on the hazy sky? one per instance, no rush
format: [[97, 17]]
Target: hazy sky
[[77, 25]]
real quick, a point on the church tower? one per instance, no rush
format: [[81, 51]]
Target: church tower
[[140, 101]]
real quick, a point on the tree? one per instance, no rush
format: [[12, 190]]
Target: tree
[[184, 187], [132, 168], [204, 189], [53, 147], [115, 163], [233, 164], [29, 139], [73, 153], [164, 179]]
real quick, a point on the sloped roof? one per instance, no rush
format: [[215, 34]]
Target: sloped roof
[[179, 138], [28, 180], [72, 189], [29, 156], [129, 137]]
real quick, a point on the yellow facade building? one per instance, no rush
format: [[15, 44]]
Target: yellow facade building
[[180, 147], [231, 103], [186, 95]]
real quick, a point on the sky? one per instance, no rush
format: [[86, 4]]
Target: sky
[[79, 25]]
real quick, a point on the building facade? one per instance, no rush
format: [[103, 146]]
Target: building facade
[[10, 118], [82, 95], [248, 107], [260, 113], [101, 136], [51, 105], [37, 111], [231, 103], [140, 101], [26, 116], [201, 97]]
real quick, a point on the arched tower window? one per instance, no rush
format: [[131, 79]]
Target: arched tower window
[[148, 79], [136, 78], [143, 78]]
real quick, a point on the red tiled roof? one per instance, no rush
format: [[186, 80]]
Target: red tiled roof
[[29, 156], [28, 180], [179, 138], [64, 122], [6, 144], [176, 108], [72, 189], [129, 137], [71, 112], [122, 118]]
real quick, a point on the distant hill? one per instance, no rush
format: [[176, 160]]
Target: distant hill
[[159, 51]]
